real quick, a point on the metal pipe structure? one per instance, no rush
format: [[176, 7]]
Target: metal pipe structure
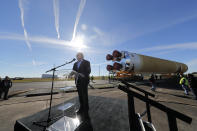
[[132, 62]]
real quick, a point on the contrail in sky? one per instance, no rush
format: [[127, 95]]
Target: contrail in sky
[[80, 10], [23, 24], [24, 29], [41, 40], [56, 15]]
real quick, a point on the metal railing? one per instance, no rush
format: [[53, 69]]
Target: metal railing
[[133, 121]]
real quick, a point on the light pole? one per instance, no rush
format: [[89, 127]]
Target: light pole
[[99, 70]]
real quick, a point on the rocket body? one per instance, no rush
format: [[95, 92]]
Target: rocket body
[[127, 61]]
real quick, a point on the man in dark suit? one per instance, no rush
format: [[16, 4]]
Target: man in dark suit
[[1, 87], [7, 84], [82, 66]]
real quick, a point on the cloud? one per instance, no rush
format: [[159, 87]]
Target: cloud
[[25, 64], [3, 62], [84, 27], [43, 40], [80, 10], [21, 7], [38, 63], [183, 46], [101, 37], [56, 15], [164, 26], [98, 31], [126, 31], [103, 63], [170, 24], [85, 46], [28, 64], [163, 52], [192, 64]]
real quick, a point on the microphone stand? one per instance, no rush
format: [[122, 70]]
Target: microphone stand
[[49, 119]]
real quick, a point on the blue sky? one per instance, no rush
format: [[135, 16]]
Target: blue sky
[[159, 28]]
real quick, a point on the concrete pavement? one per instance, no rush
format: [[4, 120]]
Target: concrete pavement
[[20, 107]]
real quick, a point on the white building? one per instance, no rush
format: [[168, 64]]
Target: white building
[[48, 76]]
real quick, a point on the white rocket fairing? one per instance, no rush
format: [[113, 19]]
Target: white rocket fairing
[[127, 61]]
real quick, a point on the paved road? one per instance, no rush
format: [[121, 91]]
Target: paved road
[[39, 85], [107, 114], [46, 85]]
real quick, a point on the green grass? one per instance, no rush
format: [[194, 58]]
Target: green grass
[[37, 80], [26, 80]]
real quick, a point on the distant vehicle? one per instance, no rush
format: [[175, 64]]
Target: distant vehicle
[[195, 74], [18, 78], [48, 76]]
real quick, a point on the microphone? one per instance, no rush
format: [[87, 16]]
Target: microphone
[[54, 69], [72, 60]]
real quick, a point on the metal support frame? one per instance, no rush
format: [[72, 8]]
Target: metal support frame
[[148, 110], [172, 122], [131, 112], [172, 114]]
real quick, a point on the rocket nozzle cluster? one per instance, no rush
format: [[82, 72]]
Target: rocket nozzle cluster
[[116, 56]]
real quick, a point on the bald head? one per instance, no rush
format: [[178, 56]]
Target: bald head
[[79, 56]]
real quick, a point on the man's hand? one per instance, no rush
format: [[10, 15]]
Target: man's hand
[[80, 74], [76, 74], [71, 74]]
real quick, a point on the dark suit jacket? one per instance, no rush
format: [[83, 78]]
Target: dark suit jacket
[[1, 85], [7, 84], [84, 68]]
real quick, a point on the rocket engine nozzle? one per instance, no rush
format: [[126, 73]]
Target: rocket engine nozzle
[[109, 67], [109, 57], [117, 66], [116, 53]]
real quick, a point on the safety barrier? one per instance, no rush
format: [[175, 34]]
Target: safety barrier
[[133, 122]]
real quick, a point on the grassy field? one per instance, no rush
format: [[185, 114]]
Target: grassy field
[[49, 79], [36, 80]]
